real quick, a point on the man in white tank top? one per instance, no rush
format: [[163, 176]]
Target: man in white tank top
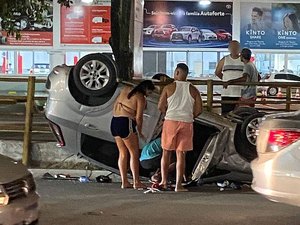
[[230, 67], [181, 102]]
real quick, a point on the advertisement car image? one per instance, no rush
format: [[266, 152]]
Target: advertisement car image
[[223, 35], [164, 32], [208, 35], [148, 31], [186, 34], [97, 39]]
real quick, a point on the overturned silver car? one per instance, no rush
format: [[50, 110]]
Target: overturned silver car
[[79, 110]]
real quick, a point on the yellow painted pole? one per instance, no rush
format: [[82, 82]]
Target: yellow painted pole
[[28, 120], [288, 98], [210, 95]]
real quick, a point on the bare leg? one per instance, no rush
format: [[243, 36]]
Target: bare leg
[[180, 168], [165, 162], [122, 162], [133, 146]]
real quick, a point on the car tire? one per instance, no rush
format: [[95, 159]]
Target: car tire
[[272, 91], [244, 112], [199, 39], [245, 136], [36, 222], [96, 81]]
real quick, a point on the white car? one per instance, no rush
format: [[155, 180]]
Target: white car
[[148, 31], [276, 171], [208, 35], [18, 196], [97, 39], [277, 77], [187, 34], [75, 15], [40, 68]]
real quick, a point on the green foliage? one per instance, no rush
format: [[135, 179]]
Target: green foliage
[[65, 3], [15, 14]]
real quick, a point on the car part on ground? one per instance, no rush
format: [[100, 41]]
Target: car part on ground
[[276, 170]]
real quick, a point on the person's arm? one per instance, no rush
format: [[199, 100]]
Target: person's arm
[[198, 102], [219, 68], [241, 79], [141, 102], [163, 103]]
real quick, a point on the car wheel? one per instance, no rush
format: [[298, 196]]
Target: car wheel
[[246, 134], [36, 222], [272, 91], [199, 39], [244, 112], [95, 75]]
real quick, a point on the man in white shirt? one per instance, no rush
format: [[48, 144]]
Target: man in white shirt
[[230, 67], [181, 102]]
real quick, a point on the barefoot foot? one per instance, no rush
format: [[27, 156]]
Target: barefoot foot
[[126, 185], [139, 186], [181, 189]]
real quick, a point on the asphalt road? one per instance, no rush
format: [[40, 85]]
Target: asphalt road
[[75, 203]]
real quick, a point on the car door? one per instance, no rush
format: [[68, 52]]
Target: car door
[[195, 33], [96, 122], [96, 142]]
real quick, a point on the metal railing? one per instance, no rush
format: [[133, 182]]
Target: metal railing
[[29, 99], [212, 101]]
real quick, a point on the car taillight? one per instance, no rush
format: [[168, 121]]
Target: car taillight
[[57, 133], [279, 139]]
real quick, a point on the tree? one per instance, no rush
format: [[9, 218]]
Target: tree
[[120, 20], [15, 14]]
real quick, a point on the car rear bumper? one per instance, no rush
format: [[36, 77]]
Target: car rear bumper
[[274, 183], [20, 211]]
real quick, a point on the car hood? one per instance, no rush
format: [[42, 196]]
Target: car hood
[[181, 32], [11, 170], [221, 146]]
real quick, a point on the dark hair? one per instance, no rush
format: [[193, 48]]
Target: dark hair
[[294, 19], [141, 88], [258, 10], [158, 76], [183, 67], [246, 53]]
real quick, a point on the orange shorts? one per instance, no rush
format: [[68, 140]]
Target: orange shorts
[[177, 136]]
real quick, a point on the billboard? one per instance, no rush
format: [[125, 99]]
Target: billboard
[[172, 24], [270, 26], [33, 32], [86, 24]]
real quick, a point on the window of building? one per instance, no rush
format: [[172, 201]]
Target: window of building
[[293, 63], [173, 58], [7, 62]]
